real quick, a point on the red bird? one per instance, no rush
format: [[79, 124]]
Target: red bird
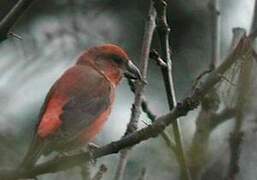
[[80, 101]]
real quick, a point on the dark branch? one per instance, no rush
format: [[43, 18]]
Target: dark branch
[[163, 30], [215, 35], [139, 89], [157, 58], [146, 109], [10, 19], [99, 175]]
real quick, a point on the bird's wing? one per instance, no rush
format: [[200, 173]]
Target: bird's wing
[[78, 98]]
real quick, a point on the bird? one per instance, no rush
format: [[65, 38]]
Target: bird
[[79, 103]]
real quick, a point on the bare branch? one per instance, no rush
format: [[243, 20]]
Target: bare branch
[[215, 35], [236, 136], [254, 22], [10, 19], [238, 33], [221, 117], [139, 89], [146, 109], [157, 58], [15, 35], [163, 32], [99, 175], [199, 77]]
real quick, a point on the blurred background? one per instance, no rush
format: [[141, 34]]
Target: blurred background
[[54, 32]]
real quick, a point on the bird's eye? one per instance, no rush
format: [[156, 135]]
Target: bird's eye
[[117, 60]]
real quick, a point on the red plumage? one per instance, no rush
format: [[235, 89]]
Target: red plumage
[[79, 103]]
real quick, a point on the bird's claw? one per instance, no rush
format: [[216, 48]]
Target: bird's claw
[[91, 148]]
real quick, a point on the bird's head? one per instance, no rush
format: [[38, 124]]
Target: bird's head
[[112, 60]]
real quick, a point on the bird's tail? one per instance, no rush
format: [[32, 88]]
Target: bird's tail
[[33, 154]]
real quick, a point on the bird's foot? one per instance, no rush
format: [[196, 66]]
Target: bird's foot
[[92, 146]]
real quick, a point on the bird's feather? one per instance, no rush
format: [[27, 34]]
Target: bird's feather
[[72, 105]]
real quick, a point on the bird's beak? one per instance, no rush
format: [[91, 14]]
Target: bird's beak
[[133, 72]]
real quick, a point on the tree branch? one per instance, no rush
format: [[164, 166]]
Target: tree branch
[[10, 19], [236, 137], [218, 119], [146, 109], [163, 32], [139, 90], [199, 147], [99, 175], [215, 35], [254, 21]]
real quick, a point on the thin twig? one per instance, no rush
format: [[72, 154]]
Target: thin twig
[[15, 35], [215, 35], [227, 80], [151, 131], [157, 58], [199, 77], [10, 19], [163, 32], [100, 173], [146, 109], [139, 90]]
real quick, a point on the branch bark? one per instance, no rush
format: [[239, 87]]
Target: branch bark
[[146, 109], [215, 35], [254, 22], [99, 175], [163, 32], [236, 137], [10, 19], [139, 90], [198, 151], [237, 134], [151, 131]]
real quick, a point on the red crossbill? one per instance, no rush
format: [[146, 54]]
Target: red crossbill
[[80, 101]]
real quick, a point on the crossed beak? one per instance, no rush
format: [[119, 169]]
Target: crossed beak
[[133, 72]]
